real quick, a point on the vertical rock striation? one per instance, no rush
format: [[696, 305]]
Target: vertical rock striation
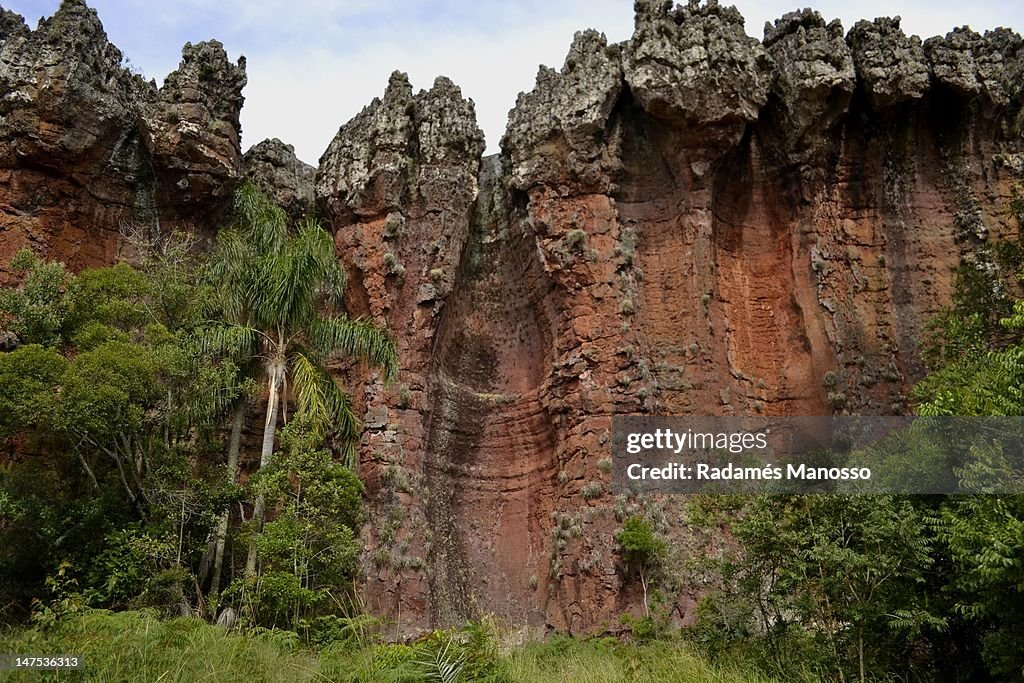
[[399, 184], [692, 221]]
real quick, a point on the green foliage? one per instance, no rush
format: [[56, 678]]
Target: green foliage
[[833, 584], [639, 544], [107, 392], [35, 312], [274, 287], [123, 400], [110, 296], [985, 538], [979, 381], [136, 646], [308, 552], [29, 376], [645, 552], [117, 415]]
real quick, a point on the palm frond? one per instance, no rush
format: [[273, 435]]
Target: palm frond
[[358, 338], [320, 245], [321, 399], [282, 287], [310, 393], [262, 221], [443, 664], [227, 273], [235, 342]]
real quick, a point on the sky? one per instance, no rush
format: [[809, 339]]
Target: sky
[[314, 64]]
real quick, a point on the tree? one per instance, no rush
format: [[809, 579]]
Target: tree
[[125, 390], [641, 549], [827, 583], [309, 551], [984, 535], [35, 312], [281, 296]]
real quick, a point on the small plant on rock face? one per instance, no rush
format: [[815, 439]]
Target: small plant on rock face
[[627, 246], [641, 549], [394, 225], [592, 490], [393, 266], [575, 240], [836, 400]]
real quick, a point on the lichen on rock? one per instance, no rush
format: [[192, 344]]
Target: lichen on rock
[[814, 81], [566, 111], [695, 65], [969, 63], [891, 66], [273, 167], [192, 127]]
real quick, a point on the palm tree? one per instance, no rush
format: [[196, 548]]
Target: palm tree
[[280, 293]]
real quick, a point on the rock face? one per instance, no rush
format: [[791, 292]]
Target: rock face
[[694, 65], [891, 67], [87, 147], [398, 184], [191, 131], [692, 222], [274, 168], [814, 81]]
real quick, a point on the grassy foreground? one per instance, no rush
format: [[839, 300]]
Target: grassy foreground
[[136, 646]]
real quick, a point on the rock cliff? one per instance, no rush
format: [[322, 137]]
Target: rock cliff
[[690, 222], [87, 147], [693, 221]]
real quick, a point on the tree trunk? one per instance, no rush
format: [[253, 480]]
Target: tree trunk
[[643, 583], [259, 512], [860, 650], [234, 445]]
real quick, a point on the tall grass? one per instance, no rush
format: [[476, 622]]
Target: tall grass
[[137, 646], [563, 660]]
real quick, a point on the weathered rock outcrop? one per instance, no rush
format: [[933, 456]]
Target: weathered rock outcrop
[[969, 63], [695, 66], [192, 133], [814, 82], [891, 67], [398, 184], [690, 222], [274, 168], [86, 146], [556, 132]]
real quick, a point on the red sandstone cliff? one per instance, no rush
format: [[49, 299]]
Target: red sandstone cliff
[[693, 221]]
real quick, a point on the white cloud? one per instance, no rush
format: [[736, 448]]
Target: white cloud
[[303, 96]]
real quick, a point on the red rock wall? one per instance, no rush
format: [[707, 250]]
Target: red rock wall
[[693, 222]]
